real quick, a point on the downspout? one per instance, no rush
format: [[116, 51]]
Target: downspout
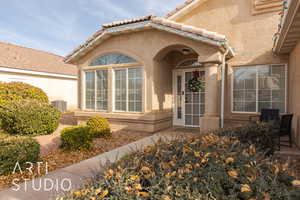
[[223, 69]]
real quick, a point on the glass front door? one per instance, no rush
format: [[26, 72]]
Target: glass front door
[[188, 106]]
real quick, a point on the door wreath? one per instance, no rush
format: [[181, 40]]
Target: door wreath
[[196, 84]]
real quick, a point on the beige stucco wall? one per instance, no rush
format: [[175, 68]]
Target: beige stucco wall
[[149, 48], [250, 35], [294, 94]]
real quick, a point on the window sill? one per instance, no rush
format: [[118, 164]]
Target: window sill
[[125, 112], [245, 113], [108, 113]]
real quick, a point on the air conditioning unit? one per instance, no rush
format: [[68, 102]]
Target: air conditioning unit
[[60, 105]]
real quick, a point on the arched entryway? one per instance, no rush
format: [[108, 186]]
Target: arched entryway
[[180, 65], [164, 48]]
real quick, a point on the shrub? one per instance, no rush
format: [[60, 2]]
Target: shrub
[[3, 135], [258, 134], [204, 168], [20, 91], [99, 127], [76, 138], [29, 118], [17, 149]]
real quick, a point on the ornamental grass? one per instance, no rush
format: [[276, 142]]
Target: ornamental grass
[[210, 167]]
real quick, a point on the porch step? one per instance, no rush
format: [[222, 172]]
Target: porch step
[[292, 153]]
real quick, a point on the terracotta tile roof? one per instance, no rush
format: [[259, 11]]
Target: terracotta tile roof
[[190, 29], [152, 20], [266, 6], [17, 57], [179, 8], [130, 21], [288, 32]]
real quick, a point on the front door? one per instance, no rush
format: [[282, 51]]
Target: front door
[[188, 106]]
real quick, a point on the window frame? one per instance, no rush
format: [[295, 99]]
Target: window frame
[[127, 87], [91, 64], [85, 90], [257, 95], [181, 66], [95, 76]]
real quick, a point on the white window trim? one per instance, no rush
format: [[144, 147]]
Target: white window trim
[[84, 90], [257, 112], [127, 94]]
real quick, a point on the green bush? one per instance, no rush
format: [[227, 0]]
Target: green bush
[[29, 118], [76, 138], [205, 168], [258, 134], [99, 127], [20, 91], [17, 149]]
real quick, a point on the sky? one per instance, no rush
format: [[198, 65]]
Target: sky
[[58, 26]]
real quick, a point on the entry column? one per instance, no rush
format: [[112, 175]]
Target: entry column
[[211, 119]]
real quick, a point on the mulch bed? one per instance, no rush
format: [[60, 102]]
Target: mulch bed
[[293, 165], [60, 159]]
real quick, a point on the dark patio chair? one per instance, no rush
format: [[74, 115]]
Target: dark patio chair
[[267, 115], [285, 129]]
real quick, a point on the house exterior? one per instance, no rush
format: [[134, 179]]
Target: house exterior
[[288, 43], [41, 69], [136, 72]]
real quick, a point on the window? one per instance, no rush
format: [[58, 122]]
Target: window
[[90, 90], [127, 85], [112, 59], [120, 90], [101, 91], [258, 87], [96, 90], [189, 63], [128, 90]]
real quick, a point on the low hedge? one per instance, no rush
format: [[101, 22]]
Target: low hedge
[[260, 135], [29, 118], [206, 168], [76, 138], [17, 149], [99, 127], [16, 91]]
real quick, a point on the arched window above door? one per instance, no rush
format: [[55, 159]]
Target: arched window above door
[[112, 59], [189, 63]]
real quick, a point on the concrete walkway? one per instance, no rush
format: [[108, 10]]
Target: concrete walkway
[[51, 142], [55, 183]]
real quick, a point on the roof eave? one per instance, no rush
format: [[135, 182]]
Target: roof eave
[[138, 26], [184, 10], [286, 25]]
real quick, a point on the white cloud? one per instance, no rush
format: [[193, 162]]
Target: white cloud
[[105, 9], [160, 7], [58, 26], [36, 43]]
